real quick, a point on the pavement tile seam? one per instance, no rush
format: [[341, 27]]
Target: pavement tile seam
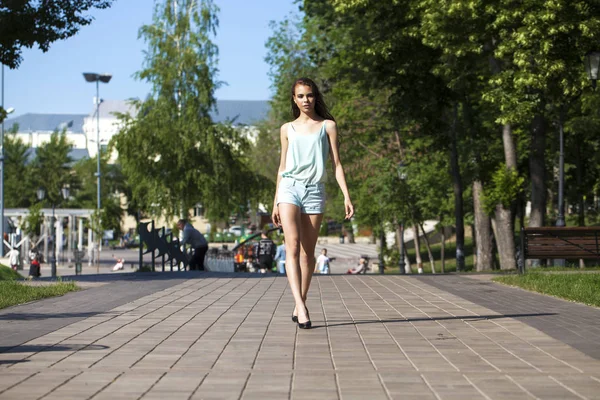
[[260, 314], [189, 320], [46, 348], [76, 334], [568, 388], [133, 321], [566, 314], [327, 332], [481, 392], [431, 388], [499, 325], [269, 324], [19, 382], [394, 339], [242, 322], [70, 309], [215, 321], [453, 335], [415, 327], [355, 326]]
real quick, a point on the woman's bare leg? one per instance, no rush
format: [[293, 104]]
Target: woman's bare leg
[[309, 233], [290, 221]]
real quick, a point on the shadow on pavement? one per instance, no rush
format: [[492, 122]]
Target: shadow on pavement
[[463, 317], [40, 316], [37, 348]]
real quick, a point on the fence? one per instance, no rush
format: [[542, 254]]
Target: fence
[[219, 261]]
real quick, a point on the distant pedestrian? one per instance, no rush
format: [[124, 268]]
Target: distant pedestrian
[[323, 262], [280, 257], [197, 242], [34, 266], [13, 258], [266, 251]]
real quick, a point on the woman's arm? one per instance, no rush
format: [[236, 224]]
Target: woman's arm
[[284, 146], [340, 177]]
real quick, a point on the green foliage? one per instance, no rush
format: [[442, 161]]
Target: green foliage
[[171, 153], [18, 185], [13, 293], [505, 187], [33, 221], [29, 22], [51, 169]]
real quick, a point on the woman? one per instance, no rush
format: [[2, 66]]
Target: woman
[[300, 196]]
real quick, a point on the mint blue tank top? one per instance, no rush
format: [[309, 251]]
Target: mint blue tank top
[[306, 156]]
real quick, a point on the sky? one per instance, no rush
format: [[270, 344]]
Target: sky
[[52, 82]]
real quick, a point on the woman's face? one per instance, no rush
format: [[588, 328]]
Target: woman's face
[[304, 98]]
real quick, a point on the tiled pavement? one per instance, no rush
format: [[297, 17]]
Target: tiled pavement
[[374, 337]]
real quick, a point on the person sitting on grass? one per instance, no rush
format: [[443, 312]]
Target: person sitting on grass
[[361, 268]]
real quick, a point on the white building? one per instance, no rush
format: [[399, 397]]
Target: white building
[[82, 132]]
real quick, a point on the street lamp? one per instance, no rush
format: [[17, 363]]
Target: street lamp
[[41, 193], [401, 263], [5, 113], [104, 78]]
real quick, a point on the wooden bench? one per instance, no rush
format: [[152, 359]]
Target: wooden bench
[[560, 243]]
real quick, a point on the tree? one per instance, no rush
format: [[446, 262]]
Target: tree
[[18, 189], [25, 23], [51, 169], [171, 152]]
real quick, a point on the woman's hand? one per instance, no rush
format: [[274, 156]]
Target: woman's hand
[[275, 216], [349, 208]]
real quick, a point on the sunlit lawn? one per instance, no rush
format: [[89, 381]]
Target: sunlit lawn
[[579, 287], [14, 291]]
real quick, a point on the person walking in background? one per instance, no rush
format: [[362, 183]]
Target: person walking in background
[[265, 252], [299, 201], [323, 262], [280, 257], [197, 242], [34, 266]]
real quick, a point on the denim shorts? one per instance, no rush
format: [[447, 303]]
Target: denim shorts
[[310, 198]]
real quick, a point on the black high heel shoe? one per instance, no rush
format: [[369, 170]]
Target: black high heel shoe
[[307, 324], [294, 318]]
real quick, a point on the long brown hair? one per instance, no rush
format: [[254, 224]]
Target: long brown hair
[[320, 106]]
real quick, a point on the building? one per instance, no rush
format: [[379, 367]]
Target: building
[[81, 130]]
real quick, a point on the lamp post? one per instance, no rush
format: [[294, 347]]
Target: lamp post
[[41, 193], [6, 112], [381, 244], [105, 78], [401, 263]]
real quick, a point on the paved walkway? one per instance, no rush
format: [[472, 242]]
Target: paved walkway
[[204, 336]]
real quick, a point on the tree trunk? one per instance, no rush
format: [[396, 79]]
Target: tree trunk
[[537, 175], [429, 254], [483, 231], [504, 233], [502, 222], [458, 197], [350, 233], [417, 248], [443, 250], [579, 174]]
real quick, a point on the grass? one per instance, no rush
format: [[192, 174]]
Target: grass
[[8, 274], [582, 288], [13, 292]]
